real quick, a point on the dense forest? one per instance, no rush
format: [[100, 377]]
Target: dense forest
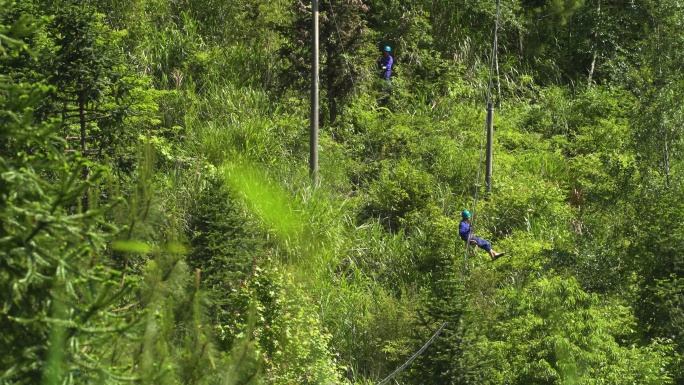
[[159, 223]]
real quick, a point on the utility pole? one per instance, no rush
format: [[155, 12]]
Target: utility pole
[[313, 142], [490, 139], [490, 108]]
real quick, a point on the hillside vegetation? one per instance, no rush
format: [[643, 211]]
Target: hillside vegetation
[[158, 223]]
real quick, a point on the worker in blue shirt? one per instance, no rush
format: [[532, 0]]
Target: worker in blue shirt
[[464, 232], [386, 64]]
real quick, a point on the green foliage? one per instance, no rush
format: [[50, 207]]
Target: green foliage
[[658, 266], [344, 51], [223, 248], [192, 115], [399, 191], [59, 296], [553, 332], [371, 327], [287, 339], [99, 100], [444, 303]]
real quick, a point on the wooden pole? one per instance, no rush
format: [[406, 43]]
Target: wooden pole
[[490, 140], [313, 142]]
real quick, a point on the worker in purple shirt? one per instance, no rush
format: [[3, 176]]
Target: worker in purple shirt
[[464, 232], [386, 64]]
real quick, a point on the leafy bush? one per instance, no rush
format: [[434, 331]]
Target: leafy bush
[[59, 296], [222, 247], [561, 334], [400, 190]]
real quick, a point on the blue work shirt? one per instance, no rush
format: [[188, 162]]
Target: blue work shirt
[[464, 230], [387, 63]]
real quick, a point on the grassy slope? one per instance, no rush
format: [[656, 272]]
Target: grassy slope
[[367, 242]]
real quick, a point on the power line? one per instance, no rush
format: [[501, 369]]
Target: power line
[[351, 76], [413, 357], [344, 52], [479, 165]]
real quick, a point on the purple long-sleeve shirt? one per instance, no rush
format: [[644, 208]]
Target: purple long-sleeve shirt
[[387, 62], [464, 230], [386, 65]]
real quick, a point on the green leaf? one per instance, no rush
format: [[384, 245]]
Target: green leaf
[[176, 248], [138, 247]]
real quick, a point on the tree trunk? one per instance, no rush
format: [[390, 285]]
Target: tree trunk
[[595, 48], [82, 120], [332, 105], [84, 147], [666, 160], [332, 97]]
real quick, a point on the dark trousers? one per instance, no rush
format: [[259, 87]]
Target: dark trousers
[[387, 75], [482, 243]]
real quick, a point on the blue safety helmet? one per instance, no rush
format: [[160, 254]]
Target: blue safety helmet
[[465, 214], [387, 48]]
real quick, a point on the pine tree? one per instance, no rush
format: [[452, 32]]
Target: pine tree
[[344, 49], [58, 294], [96, 92], [223, 248]]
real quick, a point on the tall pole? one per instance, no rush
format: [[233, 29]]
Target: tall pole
[[490, 139], [490, 109], [313, 142]]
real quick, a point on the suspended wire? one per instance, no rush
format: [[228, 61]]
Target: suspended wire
[[484, 131], [351, 75], [413, 357], [494, 57], [477, 185], [344, 52], [494, 50], [436, 334], [477, 188]]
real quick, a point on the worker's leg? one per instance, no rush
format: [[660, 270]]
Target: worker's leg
[[482, 243], [486, 246]]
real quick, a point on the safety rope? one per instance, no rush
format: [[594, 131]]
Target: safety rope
[[484, 131], [344, 52], [477, 186], [413, 357], [494, 50], [351, 76]]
